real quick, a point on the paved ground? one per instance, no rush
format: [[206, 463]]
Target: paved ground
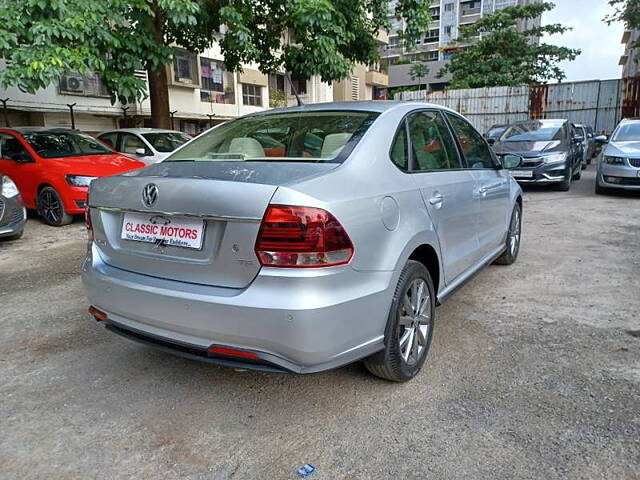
[[534, 373]]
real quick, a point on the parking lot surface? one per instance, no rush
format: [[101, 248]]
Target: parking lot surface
[[534, 372]]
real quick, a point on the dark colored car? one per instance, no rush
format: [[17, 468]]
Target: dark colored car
[[494, 133], [551, 152], [13, 215]]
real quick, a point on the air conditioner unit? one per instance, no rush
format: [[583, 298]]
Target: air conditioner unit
[[72, 84]]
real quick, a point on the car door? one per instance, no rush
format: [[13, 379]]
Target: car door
[[18, 164], [492, 185], [130, 144], [446, 189]]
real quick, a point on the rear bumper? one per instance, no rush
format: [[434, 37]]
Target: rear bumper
[[12, 216], [301, 321]]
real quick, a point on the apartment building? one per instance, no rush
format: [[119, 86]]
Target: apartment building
[[202, 93], [629, 60], [440, 42]]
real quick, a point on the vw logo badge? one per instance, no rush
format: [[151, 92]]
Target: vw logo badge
[[150, 194]]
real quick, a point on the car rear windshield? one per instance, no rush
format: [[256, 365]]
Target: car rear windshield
[[629, 132], [326, 136], [64, 144], [533, 132], [166, 141]]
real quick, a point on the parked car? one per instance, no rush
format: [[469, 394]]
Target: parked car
[[619, 167], [593, 145], [53, 168], [494, 133], [13, 215], [551, 152], [302, 260], [148, 145], [587, 144]]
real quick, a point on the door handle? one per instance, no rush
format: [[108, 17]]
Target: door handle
[[483, 191], [437, 200]]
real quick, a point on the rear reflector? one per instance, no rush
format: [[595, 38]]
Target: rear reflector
[[233, 352], [302, 237], [99, 315]]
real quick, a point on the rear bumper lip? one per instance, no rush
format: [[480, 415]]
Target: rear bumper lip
[[301, 322]]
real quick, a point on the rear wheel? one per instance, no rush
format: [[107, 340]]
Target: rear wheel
[[51, 208], [510, 254], [409, 326]]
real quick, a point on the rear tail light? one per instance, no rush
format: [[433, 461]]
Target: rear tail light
[[87, 221], [99, 315], [302, 237]]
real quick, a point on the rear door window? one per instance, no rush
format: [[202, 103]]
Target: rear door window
[[474, 148], [110, 139], [432, 147]]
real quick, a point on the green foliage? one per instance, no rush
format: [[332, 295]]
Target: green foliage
[[419, 71], [504, 56], [626, 11], [42, 39]]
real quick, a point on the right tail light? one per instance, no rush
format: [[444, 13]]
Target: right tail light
[[302, 237]]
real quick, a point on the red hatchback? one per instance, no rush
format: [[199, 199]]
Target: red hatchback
[[53, 168]]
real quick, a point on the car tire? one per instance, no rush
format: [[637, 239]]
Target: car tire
[[16, 236], [51, 209], [514, 234], [405, 327], [565, 186], [601, 190], [578, 174]]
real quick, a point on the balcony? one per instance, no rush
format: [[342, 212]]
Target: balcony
[[377, 79], [465, 12]]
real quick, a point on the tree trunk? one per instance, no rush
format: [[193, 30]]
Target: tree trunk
[[158, 84]]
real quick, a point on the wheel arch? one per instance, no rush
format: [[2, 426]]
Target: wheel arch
[[428, 256]]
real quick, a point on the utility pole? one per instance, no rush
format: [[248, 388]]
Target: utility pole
[[173, 127], [73, 120], [4, 111]]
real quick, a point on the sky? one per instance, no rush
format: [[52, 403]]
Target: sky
[[599, 42]]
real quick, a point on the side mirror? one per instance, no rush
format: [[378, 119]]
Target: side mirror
[[491, 141], [141, 151], [589, 135], [510, 161], [601, 139]]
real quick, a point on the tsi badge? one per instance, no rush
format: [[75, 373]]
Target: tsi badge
[[150, 194]]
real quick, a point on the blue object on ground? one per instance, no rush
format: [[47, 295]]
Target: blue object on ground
[[306, 470]]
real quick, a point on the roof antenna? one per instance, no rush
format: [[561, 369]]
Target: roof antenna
[[293, 89]]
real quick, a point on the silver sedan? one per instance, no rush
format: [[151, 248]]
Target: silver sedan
[[302, 239], [619, 167]]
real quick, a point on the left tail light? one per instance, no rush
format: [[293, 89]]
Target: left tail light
[[87, 221], [302, 237]]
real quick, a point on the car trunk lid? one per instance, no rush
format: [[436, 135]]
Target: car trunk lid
[[227, 198]]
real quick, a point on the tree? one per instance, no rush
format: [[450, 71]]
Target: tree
[[627, 12], [419, 71], [504, 56], [43, 39]]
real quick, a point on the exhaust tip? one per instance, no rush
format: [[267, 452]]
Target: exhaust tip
[[99, 315]]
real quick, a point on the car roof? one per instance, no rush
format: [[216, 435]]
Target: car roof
[[25, 130], [379, 106], [141, 130]]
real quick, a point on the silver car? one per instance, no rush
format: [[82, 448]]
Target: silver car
[[13, 214], [619, 167], [148, 145], [302, 239]]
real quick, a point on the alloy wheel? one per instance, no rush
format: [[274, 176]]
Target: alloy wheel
[[514, 233], [414, 322], [50, 207]]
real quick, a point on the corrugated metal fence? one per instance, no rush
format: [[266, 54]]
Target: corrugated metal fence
[[600, 104]]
